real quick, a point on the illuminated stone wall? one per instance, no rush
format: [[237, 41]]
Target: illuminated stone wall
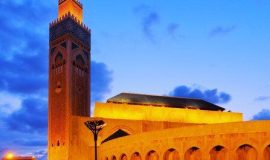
[[150, 113], [81, 144], [173, 141], [231, 141]]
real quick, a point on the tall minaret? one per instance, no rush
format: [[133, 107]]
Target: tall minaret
[[69, 76]]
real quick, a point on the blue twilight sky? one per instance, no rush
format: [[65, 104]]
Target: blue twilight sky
[[214, 50]]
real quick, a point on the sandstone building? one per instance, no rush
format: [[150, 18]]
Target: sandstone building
[[139, 127]]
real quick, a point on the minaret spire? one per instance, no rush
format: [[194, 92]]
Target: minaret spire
[[73, 7]]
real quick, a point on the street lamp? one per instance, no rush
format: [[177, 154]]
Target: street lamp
[[95, 126]]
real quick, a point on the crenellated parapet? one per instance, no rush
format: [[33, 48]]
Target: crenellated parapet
[[68, 24], [69, 15]]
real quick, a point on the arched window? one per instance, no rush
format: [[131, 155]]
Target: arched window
[[171, 154], [218, 153], [59, 58], [79, 60], [136, 156], [59, 62], [246, 152], [152, 155], [123, 157], [80, 65], [193, 153], [266, 153]]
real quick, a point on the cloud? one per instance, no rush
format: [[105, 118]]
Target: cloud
[[172, 29], [9, 103], [41, 154], [220, 30], [22, 24], [31, 143], [32, 117], [262, 98], [210, 95], [262, 115], [150, 19], [100, 81], [14, 71], [22, 49]]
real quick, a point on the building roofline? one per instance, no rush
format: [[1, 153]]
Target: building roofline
[[165, 101]]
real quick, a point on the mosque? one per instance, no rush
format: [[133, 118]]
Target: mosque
[[138, 126]]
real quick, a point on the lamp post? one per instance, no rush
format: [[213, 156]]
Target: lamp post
[[95, 126]]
